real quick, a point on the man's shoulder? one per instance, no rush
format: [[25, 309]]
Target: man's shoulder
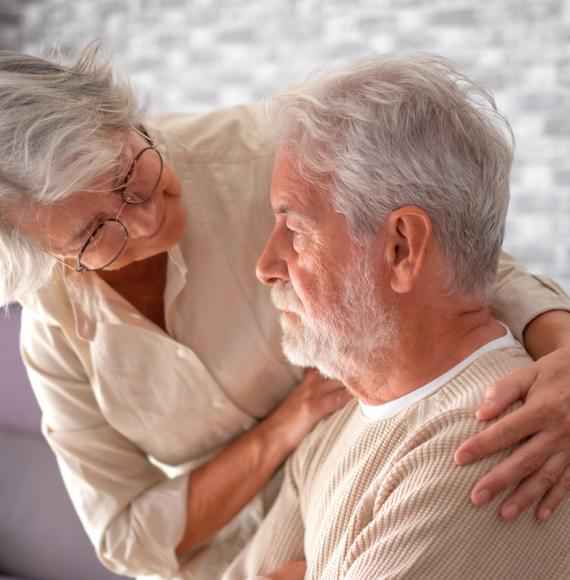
[[466, 391], [435, 427]]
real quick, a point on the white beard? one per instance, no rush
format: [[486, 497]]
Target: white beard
[[348, 337]]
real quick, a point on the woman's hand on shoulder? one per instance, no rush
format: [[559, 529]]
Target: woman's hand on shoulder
[[310, 401], [540, 466]]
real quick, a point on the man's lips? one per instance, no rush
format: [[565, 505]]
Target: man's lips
[[290, 315], [284, 300]]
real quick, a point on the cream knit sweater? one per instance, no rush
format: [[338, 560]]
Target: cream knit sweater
[[375, 499]]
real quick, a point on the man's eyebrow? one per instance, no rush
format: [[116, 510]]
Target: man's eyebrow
[[285, 209]]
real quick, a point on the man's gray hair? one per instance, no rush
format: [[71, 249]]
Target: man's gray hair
[[383, 132], [61, 128]]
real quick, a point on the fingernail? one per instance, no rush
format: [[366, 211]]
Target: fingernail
[[465, 457], [545, 514], [483, 497], [486, 406], [510, 512]]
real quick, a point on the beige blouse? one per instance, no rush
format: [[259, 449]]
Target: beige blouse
[[122, 400]]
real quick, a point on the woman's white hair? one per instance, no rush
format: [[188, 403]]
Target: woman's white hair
[[61, 128], [382, 132]]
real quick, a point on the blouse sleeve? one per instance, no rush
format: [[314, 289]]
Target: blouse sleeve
[[520, 296], [133, 513]]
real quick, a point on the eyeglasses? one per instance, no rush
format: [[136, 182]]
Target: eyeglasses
[[108, 240]]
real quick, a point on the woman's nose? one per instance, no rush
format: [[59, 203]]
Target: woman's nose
[[142, 220]]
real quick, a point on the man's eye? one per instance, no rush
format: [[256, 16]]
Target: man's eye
[[293, 233], [299, 240]]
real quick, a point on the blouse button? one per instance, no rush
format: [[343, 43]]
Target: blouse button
[[182, 353]]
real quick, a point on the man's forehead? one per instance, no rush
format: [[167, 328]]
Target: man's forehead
[[291, 193]]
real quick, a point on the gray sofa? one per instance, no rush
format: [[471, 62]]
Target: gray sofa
[[41, 537]]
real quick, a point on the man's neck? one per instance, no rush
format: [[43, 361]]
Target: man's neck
[[426, 347]]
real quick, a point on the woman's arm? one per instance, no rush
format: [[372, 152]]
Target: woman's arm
[[222, 487], [540, 466], [547, 333], [133, 513], [520, 297]]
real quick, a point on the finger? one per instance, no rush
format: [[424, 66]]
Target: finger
[[555, 496], [316, 383], [534, 487], [314, 375], [501, 394], [505, 433], [336, 400], [522, 463], [323, 389], [311, 375], [333, 386]]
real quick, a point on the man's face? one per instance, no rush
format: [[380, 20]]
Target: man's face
[[323, 282]]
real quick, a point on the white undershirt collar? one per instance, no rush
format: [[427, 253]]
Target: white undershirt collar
[[392, 408]]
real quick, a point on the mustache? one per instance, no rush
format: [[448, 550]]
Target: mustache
[[283, 298]]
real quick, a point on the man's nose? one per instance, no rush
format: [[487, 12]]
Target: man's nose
[[271, 266]]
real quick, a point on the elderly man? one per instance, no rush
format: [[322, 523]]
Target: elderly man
[[390, 191]]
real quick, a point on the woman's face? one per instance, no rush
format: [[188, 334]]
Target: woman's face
[[153, 227]]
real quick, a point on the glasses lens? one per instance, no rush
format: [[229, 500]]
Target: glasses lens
[[105, 245], [147, 171]]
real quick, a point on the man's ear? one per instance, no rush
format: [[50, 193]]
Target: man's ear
[[408, 235]]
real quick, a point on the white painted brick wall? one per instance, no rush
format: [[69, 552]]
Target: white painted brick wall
[[201, 54]]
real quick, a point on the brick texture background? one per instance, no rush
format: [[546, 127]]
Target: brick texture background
[[201, 54]]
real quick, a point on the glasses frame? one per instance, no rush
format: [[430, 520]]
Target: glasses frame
[[80, 268]]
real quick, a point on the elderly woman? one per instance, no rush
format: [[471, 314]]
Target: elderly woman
[[153, 351]]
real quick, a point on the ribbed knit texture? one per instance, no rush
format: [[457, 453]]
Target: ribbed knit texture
[[368, 500]]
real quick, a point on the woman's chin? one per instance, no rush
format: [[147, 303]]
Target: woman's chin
[[166, 236]]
